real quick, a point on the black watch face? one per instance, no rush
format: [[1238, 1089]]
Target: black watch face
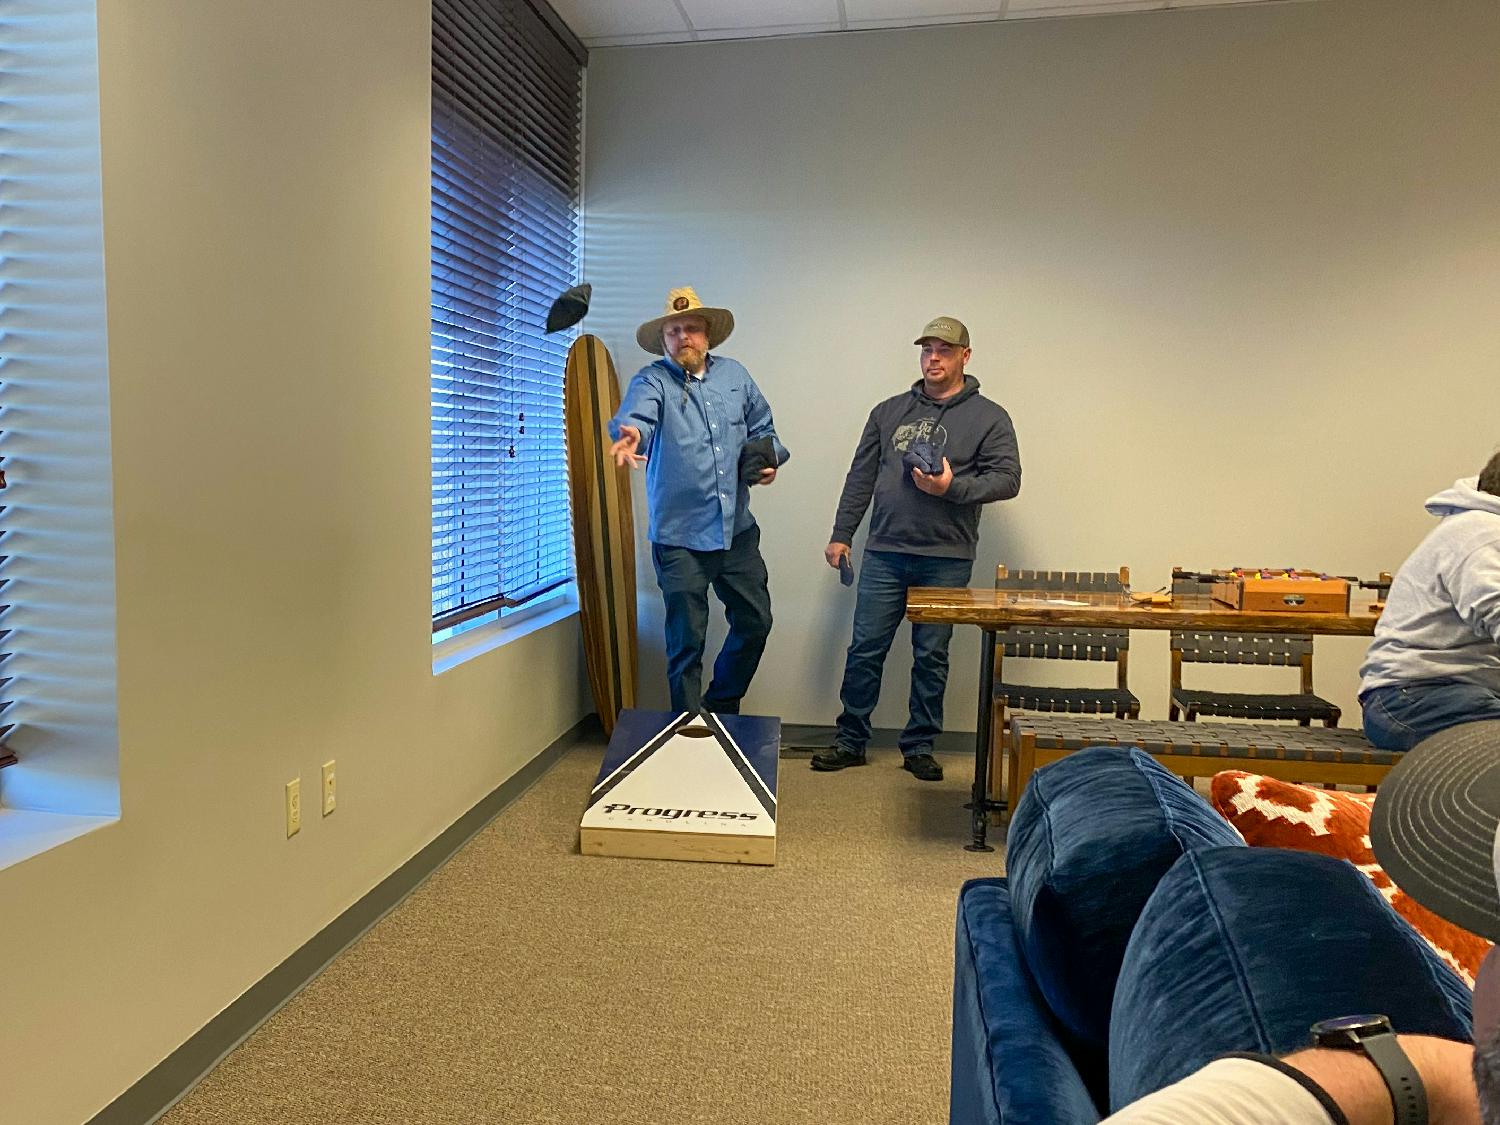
[[1348, 1029]]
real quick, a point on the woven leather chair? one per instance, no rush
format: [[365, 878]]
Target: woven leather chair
[[1315, 756], [1040, 642], [1195, 646]]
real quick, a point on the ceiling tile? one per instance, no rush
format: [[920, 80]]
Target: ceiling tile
[[715, 14], [612, 23], [762, 32], [921, 21], [912, 11], [639, 40], [595, 19], [1023, 9]]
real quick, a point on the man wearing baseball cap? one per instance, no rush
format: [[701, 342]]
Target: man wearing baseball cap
[[930, 458], [700, 425]]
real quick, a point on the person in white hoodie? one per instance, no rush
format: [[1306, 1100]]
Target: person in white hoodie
[[1435, 659]]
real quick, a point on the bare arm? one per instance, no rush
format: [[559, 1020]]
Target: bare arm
[[1236, 1091], [1353, 1082]]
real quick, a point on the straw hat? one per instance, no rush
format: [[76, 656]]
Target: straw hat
[[683, 302]]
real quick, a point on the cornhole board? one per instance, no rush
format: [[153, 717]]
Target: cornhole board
[[603, 529], [681, 786]]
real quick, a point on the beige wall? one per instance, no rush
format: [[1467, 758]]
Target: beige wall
[[1234, 272], [265, 173]]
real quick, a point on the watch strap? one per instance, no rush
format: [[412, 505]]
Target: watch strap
[[1408, 1096]]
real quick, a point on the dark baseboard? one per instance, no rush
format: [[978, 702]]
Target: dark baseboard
[[801, 740], [180, 1071]]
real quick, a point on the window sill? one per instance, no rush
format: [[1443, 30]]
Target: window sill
[[25, 833], [486, 638]]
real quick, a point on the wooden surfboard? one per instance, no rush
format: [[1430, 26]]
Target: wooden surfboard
[[603, 529]]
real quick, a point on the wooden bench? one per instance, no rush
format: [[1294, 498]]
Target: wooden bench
[[1322, 755]]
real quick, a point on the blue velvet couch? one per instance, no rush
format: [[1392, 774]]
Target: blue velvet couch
[[1136, 938]]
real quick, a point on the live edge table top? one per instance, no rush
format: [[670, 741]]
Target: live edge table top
[[997, 609]]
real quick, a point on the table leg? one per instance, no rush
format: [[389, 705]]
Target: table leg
[[981, 802]]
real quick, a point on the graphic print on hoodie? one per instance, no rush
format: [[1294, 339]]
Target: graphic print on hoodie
[[1442, 615], [930, 430]]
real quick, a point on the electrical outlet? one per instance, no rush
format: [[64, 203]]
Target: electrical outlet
[[293, 807], [330, 788]]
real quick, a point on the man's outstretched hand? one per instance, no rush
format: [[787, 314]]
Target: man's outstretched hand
[[624, 450]]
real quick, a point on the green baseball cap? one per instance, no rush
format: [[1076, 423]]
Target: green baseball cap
[[946, 329]]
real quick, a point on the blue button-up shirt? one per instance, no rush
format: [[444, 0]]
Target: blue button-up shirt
[[692, 431]]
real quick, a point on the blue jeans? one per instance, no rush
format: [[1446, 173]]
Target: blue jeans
[[738, 576], [1399, 716], [884, 578]]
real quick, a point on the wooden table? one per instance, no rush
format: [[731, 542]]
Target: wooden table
[[993, 610]]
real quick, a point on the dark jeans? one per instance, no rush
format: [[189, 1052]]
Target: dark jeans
[[884, 578], [738, 576], [1397, 717]]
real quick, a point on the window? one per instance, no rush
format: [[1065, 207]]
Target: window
[[507, 97], [57, 515], [7, 756]]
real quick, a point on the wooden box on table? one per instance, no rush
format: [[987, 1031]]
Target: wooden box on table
[[1281, 591]]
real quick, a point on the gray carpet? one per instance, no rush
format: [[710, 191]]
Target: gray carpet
[[526, 983]]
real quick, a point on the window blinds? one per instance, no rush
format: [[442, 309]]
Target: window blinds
[[506, 111]]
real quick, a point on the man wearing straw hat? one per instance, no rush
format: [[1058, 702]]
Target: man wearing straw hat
[[704, 432]]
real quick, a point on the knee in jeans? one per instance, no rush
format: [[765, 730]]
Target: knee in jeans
[[932, 649], [686, 605], [757, 626]]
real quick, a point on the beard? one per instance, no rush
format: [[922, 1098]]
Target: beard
[[688, 358]]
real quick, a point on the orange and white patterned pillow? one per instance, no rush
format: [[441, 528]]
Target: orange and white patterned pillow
[[1281, 814]]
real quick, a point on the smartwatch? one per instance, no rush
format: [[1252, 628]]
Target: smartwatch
[[1374, 1036]]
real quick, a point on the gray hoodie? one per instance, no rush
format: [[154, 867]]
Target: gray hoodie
[[979, 441], [1442, 615]]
